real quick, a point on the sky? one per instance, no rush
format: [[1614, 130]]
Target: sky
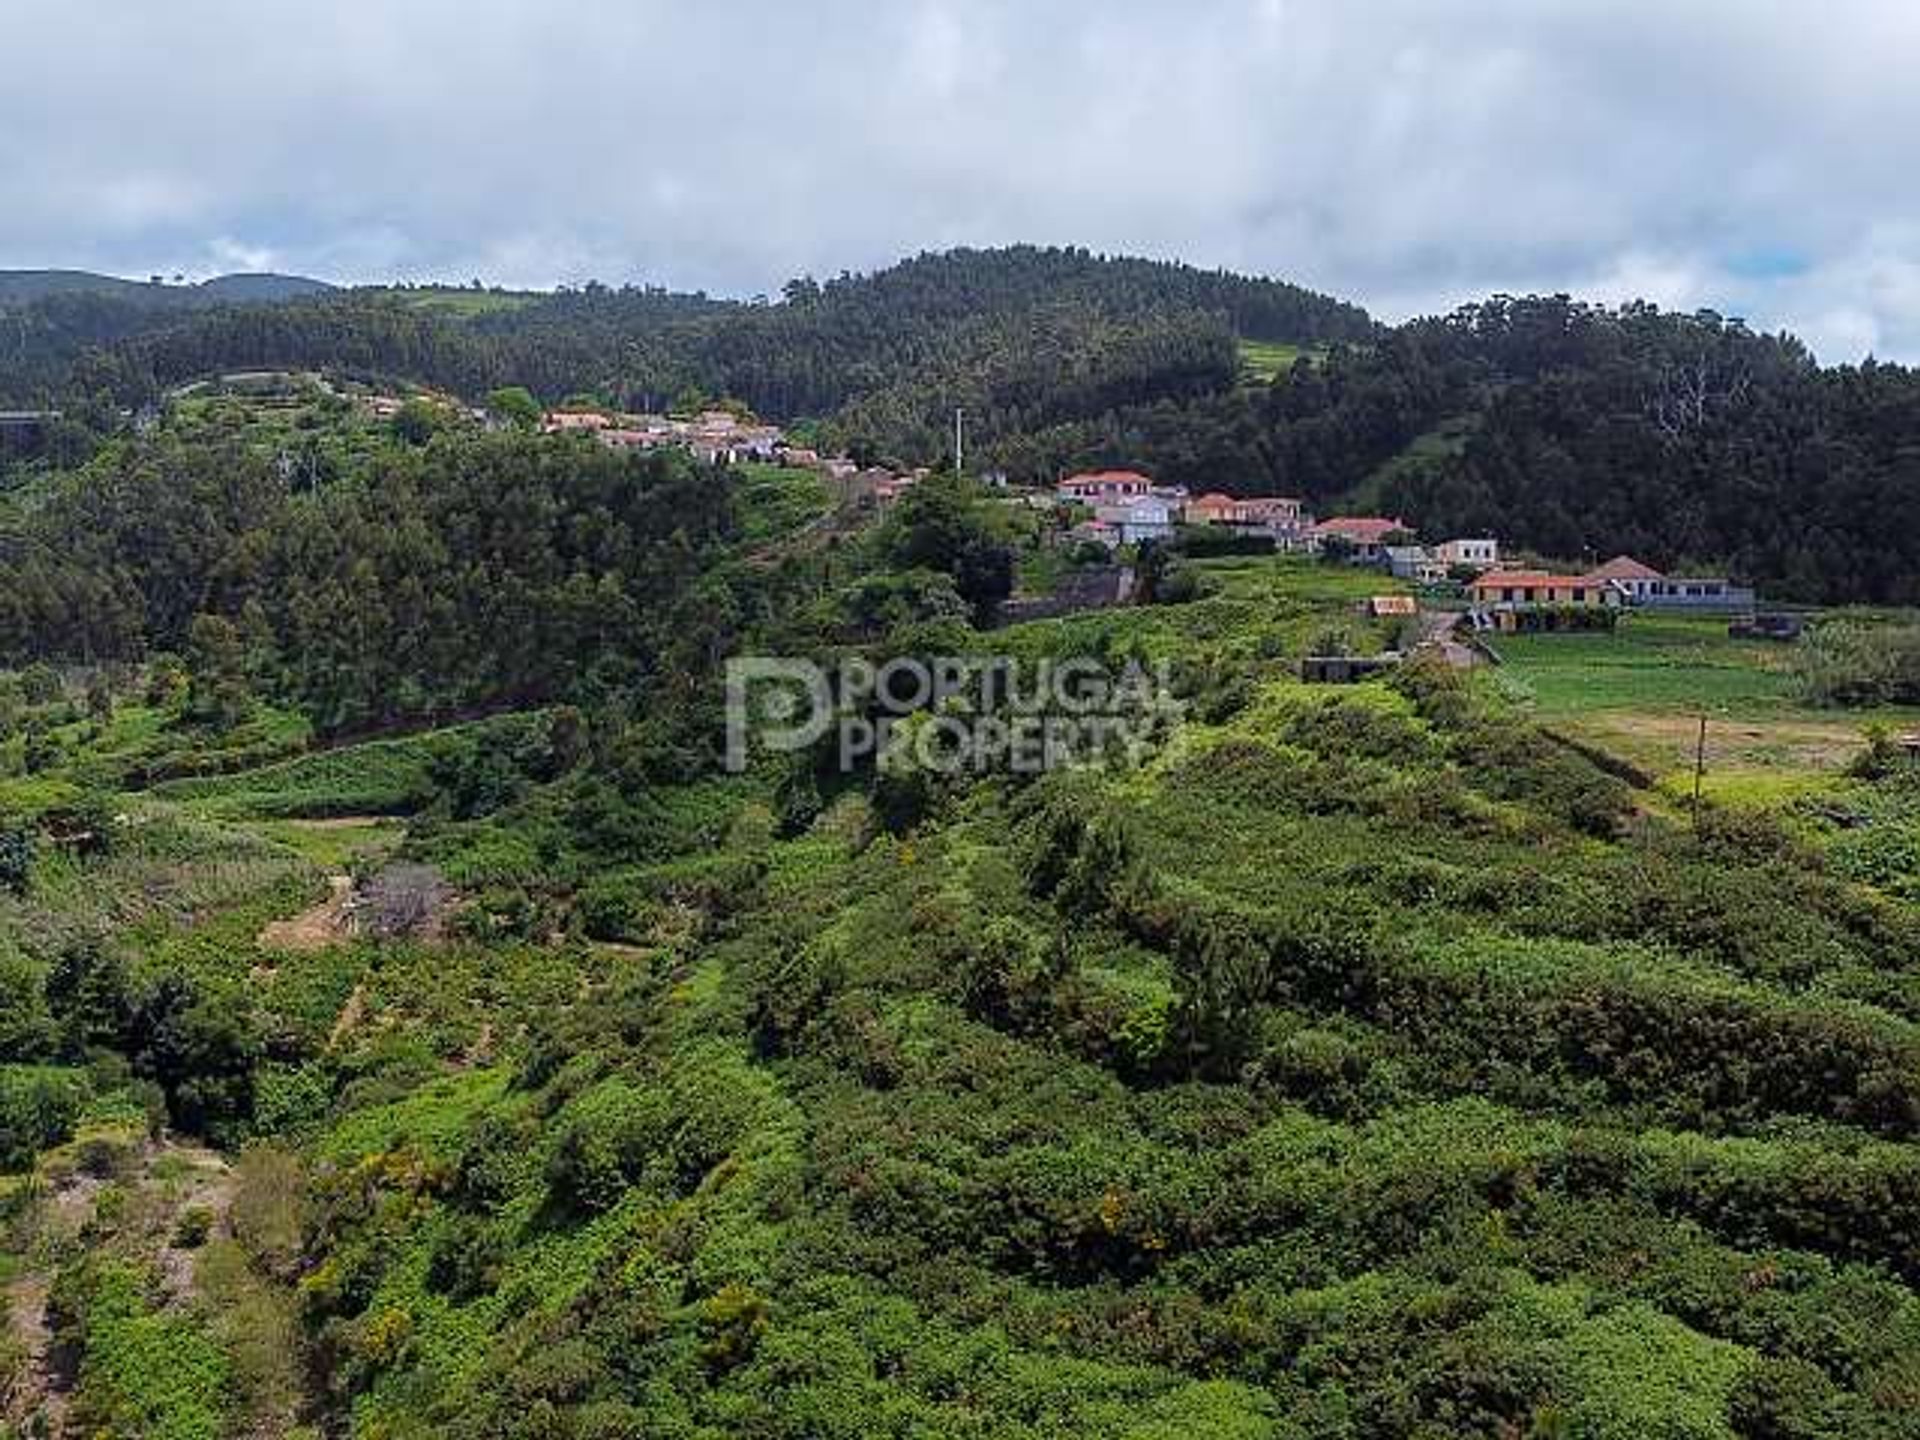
[[1757, 157]]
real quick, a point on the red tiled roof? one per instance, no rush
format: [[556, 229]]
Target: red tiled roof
[[1501, 578], [1625, 567], [1539, 579], [1359, 527]]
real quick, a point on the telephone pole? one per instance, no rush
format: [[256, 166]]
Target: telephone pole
[[1699, 771]]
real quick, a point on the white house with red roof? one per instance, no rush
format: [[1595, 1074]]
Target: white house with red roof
[[1635, 579]]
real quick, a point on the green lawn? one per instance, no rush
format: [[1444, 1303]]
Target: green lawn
[[1652, 663], [1639, 693], [1298, 580]]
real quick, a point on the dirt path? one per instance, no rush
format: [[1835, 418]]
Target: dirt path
[[327, 923], [349, 1018], [38, 1392], [206, 1185], [162, 1181]]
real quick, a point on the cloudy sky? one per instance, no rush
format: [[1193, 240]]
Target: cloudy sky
[[1756, 156]]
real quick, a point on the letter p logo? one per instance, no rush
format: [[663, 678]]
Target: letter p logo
[[777, 702]]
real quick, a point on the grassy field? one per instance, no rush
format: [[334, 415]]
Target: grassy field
[[463, 304], [1262, 360], [1639, 693], [1652, 663], [1301, 581]]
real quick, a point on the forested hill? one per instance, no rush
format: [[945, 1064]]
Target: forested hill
[[922, 322], [1558, 426], [1572, 430], [19, 287]]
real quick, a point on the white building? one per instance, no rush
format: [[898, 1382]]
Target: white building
[[1412, 562], [1146, 518], [1480, 554]]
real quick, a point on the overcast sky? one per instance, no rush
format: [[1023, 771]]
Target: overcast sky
[[1756, 156]]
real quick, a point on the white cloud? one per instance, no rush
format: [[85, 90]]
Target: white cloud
[[1406, 153]]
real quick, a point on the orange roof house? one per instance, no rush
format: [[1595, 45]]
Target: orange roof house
[[1539, 587], [1212, 508], [1639, 581]]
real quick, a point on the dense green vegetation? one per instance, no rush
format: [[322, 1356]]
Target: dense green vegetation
[[410, 1027]]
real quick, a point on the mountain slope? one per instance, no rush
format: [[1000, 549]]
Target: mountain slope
[[19, 287]]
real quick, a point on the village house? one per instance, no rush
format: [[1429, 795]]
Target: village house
[[1630, 575], [1274, 512], [1212, 508], [1647, 587], [1478, 554], [633, 439], [1104, 487], [1412, 562], [1523, 588], [1365, 535], [1146, 517], [570, 421]]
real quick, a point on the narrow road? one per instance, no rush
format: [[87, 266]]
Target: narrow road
[[1437, 629]]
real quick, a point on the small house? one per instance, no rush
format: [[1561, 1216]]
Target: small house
[[1104, 487], [1412, 562], [1365, 536], [1520, 588], [1146, 518], [1476, 554]]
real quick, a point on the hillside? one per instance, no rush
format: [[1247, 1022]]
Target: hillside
[[1341, 1062], [21, 287], [1562, 427]]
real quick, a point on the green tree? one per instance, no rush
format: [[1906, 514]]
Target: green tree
[[944, 524], [417, 421], [515, 405], [217, 693]]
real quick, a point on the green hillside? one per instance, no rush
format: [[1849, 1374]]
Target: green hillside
[[412, 1027]]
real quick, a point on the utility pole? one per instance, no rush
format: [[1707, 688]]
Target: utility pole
[[1699, 769], [959, 438]]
